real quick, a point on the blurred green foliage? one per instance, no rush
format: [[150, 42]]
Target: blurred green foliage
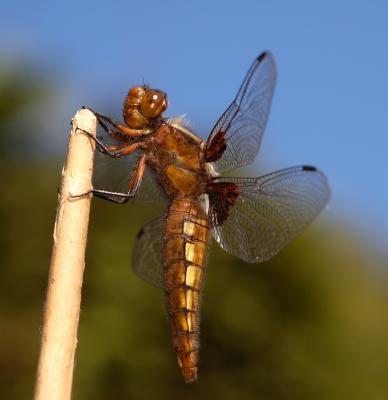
[[311, 323]]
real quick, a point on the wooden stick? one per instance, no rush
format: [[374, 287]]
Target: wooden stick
[[61, 315]]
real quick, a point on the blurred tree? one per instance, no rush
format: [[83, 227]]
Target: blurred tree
[[23, 91]]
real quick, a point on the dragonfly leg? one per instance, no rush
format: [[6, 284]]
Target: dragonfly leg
[[125, 132], [116, 135], [115, 151], [133, 185], [121, 197], [115, 197]]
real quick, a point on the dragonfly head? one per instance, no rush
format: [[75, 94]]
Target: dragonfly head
[[142, 105]]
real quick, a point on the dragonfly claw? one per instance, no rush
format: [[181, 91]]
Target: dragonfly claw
[[78, 196]]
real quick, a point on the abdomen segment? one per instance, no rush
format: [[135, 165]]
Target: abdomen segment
[[186, 239]]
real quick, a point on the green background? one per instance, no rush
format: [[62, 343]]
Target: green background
[[311, 323]]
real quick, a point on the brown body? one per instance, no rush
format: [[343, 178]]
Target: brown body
[[186, 237], [177, 159], [176, 156]]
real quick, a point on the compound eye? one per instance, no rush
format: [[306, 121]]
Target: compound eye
[[136, 91], [135, 95], [153, 103]]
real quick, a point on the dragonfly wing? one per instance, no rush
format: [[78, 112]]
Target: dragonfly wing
[[236, 137], [254, 218], [147, 256]]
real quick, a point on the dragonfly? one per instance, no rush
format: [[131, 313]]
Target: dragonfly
[[250, 218]]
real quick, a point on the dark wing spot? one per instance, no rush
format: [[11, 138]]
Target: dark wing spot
[[261, 56], [216, 147], [222, 197], [308, 168], [140, 233]]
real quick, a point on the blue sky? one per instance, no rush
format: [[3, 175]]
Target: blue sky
[[331, 102]]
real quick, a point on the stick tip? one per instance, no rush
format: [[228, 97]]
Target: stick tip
[[84, 119]]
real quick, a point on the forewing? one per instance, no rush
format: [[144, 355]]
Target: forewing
[[254, 218], [147, 255], [236, 137]]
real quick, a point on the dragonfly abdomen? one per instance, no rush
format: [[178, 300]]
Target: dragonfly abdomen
[[186, 238]]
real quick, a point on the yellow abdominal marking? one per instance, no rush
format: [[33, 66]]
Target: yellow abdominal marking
[[190, 251], [196, 229], [194, 252], [189, 228], [189, 300], [193, 276]]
